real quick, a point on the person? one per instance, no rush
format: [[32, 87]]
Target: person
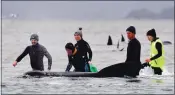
[[156, 60], [83, 49], [133, 52], [132, 64], [36, 52], [75, 58]]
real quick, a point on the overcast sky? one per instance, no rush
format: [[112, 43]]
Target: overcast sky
[[80, 9]]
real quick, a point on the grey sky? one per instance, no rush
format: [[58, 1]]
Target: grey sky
[[80, 9]]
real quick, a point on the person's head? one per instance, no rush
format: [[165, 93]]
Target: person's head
[[80, 28], [34, 39], [131, 31], [69, 48], [151, 34], [77, 35]]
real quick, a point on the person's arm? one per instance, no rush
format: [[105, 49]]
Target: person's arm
[[46, 53], [159, 49], [130, 52], [89, 51], [136, 52], [69, 65], [25, 52]]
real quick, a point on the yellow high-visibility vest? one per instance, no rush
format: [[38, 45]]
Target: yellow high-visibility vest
[[159, 62]]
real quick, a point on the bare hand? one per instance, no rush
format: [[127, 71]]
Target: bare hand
[[15, 63], [148, 60], [89, 62]]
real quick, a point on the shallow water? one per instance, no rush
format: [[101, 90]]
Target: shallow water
[[54, 34]]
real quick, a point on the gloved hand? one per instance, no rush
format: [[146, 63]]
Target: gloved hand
[[49, 68], [144, 65]]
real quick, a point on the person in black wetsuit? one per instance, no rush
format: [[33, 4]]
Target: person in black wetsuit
[[36, 53], [133, 62], [74, 58], [156, 60], [84, 50], [132, 65]]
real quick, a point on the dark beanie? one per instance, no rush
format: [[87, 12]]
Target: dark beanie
[[80, 28], [131, 29], [69, 46], [151, 32], [34, 36]]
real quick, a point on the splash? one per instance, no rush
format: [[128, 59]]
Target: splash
[[148, 71]]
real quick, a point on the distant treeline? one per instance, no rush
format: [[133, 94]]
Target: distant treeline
[[167, 13]]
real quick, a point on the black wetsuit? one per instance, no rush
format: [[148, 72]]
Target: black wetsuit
[[158, 45], [36, 53], [80, 59], [77, 61], [133, 63], [84, 48], [133, 52]]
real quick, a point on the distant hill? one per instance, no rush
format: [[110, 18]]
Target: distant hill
[[167, 13]]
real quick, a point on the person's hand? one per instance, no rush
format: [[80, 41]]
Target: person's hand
[[89, 62], [15, 63], [144, 65], [49, 68], [147, 60]]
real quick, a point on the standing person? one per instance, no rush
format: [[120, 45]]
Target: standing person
[[133, 52], [85, 51], [132, 65], [134, 47], [36, 53], [156, 60]]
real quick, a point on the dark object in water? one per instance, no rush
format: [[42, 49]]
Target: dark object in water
[[122, 39], [167, 42], [122, 49], [3, 85], [109, 41], [116, 70], [134, 80], [118, 44], [61, 74]]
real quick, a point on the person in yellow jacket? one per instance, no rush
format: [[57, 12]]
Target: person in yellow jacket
[[156, 60]]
